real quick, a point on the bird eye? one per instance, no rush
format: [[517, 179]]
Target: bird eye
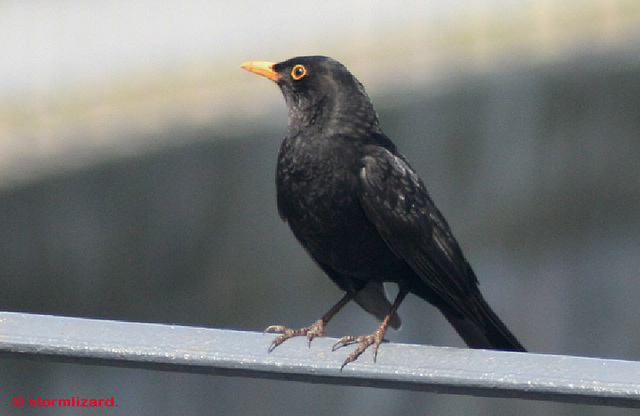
[[298, 72]]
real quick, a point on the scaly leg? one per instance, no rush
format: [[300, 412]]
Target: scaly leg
[[314, 330], [374, 338]]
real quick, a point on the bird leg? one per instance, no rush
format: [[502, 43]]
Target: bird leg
[[314, 330], [374, 338]]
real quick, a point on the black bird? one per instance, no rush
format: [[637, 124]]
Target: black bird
[[363, 214]]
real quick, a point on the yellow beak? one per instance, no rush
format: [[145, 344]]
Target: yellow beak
[[263, 68]]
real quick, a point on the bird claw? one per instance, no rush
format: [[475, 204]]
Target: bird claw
[[314, 330], [364, 341], [344, 341], [274, 328]]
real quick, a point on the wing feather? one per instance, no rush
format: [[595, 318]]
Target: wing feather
[[396, 201]]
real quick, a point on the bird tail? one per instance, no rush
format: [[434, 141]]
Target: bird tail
[[481, 328]]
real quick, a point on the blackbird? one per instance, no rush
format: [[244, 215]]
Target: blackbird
[[363, 214]]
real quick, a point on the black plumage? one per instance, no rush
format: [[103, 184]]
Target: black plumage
[[363, 214]]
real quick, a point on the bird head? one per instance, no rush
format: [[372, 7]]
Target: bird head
[[320, 92]]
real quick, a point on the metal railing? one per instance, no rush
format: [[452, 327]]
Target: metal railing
[[400, 366]]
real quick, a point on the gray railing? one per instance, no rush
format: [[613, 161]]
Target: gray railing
[[240, 353]]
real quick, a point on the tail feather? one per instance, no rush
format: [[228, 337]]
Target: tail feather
[[482, 328]]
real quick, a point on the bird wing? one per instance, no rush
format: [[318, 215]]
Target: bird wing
[[396, 201]]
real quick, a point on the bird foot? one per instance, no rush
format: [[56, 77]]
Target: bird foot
[[314, 330], [365, 342]]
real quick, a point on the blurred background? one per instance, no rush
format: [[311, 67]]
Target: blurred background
[[137, 180]]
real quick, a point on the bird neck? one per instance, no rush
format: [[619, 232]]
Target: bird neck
[[335, 114]]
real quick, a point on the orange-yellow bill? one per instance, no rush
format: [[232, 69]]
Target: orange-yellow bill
[[263, 68]]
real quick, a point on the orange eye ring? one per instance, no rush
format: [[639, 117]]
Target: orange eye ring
[[298, 72]]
